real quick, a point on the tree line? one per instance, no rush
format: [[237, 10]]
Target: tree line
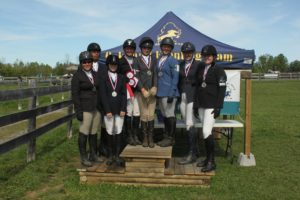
[[267, 62], [19, 68]]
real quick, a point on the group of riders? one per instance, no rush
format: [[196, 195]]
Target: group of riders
[[126, 91]]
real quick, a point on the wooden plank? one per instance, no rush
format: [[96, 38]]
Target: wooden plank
[[156, 160], [189, 169], [94, 179], [143, 175], [92, 168], [141, 152], [144, 170], [163, 185], [179, 169], [247, 140], [145, 164], [102, 168], [115, 169], [15, 117], [171, 168], [22, 139]]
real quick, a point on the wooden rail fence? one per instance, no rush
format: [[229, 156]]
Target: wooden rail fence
[[32, 92]]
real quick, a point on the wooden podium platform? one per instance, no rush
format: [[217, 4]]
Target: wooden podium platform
[[147, 166]]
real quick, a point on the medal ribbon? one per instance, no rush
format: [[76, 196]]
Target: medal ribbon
[[162, 62], [113, 85], [205, 72], [130, 65], [149, 63], [187, 68]]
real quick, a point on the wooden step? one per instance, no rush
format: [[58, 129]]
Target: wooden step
[[138, 174], [139, 151]]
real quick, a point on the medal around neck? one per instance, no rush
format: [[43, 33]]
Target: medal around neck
[[203, 85], [149, 72], [114, 94], [160, 74]]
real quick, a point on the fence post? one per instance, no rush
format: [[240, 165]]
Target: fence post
[[247, 158], [31, 123], [20, 87], [70, 111], [61, 86], [38, 80]]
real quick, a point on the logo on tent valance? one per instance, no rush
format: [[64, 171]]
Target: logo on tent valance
[[169, 30]]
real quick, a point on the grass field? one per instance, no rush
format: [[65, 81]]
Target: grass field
[[275, 144]]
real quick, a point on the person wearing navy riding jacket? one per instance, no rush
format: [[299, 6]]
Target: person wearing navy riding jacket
[[112, 91]]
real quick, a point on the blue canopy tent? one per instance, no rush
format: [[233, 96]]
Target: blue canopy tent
[[229, 57], [170, 25]]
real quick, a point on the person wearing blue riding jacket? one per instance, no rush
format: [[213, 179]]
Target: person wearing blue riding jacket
[[167, 91]]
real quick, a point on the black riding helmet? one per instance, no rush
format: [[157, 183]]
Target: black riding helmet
[[187, 46], [94, 47], [112, 59], [129, 43], [146, 42], [167, 41], [85, 55], [208, 50]]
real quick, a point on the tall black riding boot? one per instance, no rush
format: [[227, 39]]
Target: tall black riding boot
[[110, 144], [82, 141], [197, 150], [203, 163], [171, 137], [93, 149], [119, 161], [166, 133], [102, 147], [145, 133], [211, 165], [129, 130], [135, 127], [191, 157], [150, 134]]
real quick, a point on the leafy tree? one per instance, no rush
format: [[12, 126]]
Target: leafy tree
[[294, 66]]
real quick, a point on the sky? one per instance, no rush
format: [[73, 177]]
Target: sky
[[50, 31]]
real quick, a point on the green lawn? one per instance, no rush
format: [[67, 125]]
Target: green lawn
[[275, 144]]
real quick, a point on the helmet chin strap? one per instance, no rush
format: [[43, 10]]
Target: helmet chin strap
[[190, 60], [87, 70], [112, 71]]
